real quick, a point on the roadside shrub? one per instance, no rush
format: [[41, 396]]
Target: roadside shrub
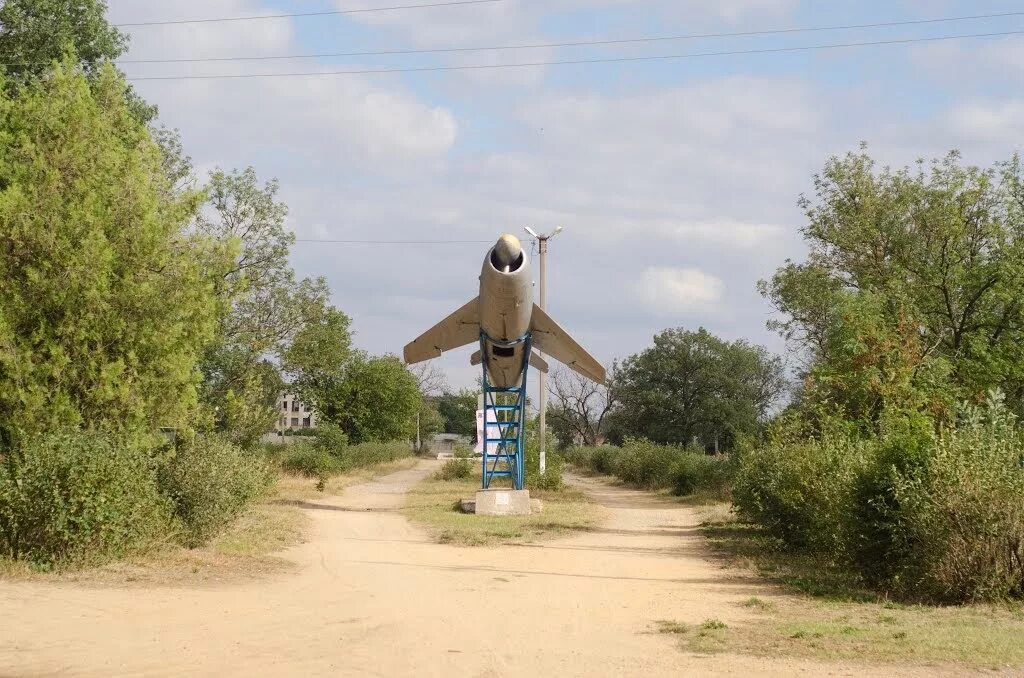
[[455, 469], [73, 496], [604, 459], [368, 454], [209, 481], [579, 457], [958, 521], [551, 479], [800, 491], [330, 438], [702, 474], [647, 465], [309, 461]]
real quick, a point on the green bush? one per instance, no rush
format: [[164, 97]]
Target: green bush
[[331, 439], [551, 479], [647, 465], [210, 481], [957, 519], [455, 469], [801, 491], [938, 516], [309, 461], [698, 473], [330, 455], [75, 496], [369, 454]]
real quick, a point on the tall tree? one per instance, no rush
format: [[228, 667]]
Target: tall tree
[[35, 34], [369, 398], [911, 294], [105, 299], [376, 400], [695, 385], [579, 407], [263, 307], [458, 411]]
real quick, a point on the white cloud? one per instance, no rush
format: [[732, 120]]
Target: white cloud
[[200, 40], [678, 290], [993, 121]]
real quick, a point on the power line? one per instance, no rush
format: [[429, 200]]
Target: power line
[[663, 57], [177, 22], [396, 242], [581, 43]]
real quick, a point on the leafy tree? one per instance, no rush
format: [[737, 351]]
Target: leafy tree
[[263, 306], [105, 300], [695, 385], [377, 400], [35, 34], [428, 421], [317, 358], [911, 294], [369, 398], [458, 411]]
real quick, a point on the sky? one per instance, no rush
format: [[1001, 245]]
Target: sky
[[676, 180]]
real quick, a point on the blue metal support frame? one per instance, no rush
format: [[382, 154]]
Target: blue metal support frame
[[509, 420]]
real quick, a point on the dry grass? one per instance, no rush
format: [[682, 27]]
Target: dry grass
[[433, 503], [249, 548], [832, 617]]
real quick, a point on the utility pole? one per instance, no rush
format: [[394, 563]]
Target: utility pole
[[542, 248]]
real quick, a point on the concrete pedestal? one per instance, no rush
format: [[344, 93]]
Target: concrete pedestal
[[502, 503]]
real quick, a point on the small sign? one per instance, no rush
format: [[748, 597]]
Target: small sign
[[501, 499]]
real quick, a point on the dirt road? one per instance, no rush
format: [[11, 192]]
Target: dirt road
[[372, 596]]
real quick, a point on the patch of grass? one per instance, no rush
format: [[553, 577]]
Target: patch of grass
[[290, 486], [434, 503], [748, 546], [759, 604], [672, 627], [838, 619]]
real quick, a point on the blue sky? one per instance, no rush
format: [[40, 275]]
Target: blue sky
[[676, 181]]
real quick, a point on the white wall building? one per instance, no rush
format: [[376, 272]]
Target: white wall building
[[293, 414]]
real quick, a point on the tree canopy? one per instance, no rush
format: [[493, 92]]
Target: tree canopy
[[912, 294], [691, 384], [106, 300], [263, 307], [458, 411]]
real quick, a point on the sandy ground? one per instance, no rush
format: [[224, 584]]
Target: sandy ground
[[372, 596]]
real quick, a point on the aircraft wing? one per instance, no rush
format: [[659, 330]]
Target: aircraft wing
[[458, 329], [549, 338]]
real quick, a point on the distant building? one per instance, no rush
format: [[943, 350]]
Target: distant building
[[447, 442], [293, 414]]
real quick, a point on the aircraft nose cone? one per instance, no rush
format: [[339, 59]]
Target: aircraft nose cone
[[507, 250]]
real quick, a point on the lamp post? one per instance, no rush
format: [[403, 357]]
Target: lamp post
[[542, 248]]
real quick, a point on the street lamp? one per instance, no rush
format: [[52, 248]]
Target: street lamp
[[542, 247]]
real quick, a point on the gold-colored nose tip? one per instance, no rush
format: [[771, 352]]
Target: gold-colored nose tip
[[507, 249]]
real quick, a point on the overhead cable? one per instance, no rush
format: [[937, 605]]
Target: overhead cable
[[606, 60], [580, 43], [395, 242], [257, 17]]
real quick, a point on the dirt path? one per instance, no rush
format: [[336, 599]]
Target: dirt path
[[372, 596]]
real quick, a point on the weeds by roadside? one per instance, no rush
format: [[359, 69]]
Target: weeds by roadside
[[837, 617], [434, 504]]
